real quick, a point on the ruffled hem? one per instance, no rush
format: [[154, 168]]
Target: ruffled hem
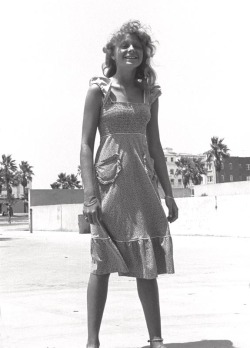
[[141, 258]]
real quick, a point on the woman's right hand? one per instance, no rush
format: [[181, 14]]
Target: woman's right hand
[[93, 213]]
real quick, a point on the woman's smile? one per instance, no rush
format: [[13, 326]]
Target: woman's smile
[[131, 57]]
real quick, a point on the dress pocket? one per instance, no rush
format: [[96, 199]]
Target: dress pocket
[[108, 169]]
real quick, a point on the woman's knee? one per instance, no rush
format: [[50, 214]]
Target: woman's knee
[[99, 277], [146, 281]]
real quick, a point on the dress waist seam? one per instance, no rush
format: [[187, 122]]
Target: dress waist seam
[[106, 135]]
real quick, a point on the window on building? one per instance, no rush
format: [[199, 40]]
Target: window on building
[[231, 178], [248, 166], [210, 178], [172, 181], [209, 166], [166, 159], [179, 182], [222, 178], [230, 166], [171, 171], [172, 159], [248, 178]]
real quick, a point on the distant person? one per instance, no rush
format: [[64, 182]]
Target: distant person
[[130, 232], [9, 212]]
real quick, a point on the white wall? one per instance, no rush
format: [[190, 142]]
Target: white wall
[[197, 216], [228, 188], [60, 217]]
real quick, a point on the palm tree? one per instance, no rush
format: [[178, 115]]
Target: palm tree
[[66, 182], [8, 174], [200, 169], [217, 154], [183, 170], [1, 181], [26, 173], [23, 177], [62, 181], [191, 169], [73, 181], [55, 185], [8, 177]]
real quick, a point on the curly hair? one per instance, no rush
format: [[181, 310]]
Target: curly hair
[[144, 72]]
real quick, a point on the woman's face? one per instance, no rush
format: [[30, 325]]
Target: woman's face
[[128, 52]]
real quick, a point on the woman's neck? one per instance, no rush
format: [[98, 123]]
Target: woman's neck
[[125, 79]]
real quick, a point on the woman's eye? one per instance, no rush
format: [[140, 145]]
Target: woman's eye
[[124, 45], [127, 44]]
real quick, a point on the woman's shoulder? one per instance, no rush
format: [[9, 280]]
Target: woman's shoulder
[[102, 82], [154, 91]]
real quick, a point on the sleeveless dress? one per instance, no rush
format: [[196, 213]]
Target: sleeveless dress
[[134, 238]]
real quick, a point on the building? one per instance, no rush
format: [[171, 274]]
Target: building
[[171, 157], [234, 169], [210, 178], [20, 206], [176, 180]]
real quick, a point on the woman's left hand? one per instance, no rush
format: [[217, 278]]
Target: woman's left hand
[[172, 209]]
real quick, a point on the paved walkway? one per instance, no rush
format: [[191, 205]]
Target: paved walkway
[[43, 279]]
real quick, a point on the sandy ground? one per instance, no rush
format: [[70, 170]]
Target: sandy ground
[[43, 280]]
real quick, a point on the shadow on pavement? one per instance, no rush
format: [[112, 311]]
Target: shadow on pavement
[[5, 239], [200, 344]]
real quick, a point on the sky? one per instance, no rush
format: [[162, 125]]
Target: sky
[[51, 48]]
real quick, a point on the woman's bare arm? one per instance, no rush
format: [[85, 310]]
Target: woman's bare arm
[[156, 152], [91, 116]]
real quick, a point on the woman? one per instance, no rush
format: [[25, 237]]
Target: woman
[[129, 228]]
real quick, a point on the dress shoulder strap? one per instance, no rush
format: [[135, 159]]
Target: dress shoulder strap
[[104, 84], [154, 93]]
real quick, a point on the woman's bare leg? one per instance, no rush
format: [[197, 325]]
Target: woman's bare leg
[[149, 296], [96, 299]]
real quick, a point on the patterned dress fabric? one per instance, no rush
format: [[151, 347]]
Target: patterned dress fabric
[[134, 222]]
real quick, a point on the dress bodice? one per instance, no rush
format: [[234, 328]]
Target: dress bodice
[[124, 117], [118, 117]]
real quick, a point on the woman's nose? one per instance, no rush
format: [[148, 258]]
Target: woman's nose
[[131, 48]]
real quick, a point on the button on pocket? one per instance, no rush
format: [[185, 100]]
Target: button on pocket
[[108, 169]]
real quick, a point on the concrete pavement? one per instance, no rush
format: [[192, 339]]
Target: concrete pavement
[[44, 276]]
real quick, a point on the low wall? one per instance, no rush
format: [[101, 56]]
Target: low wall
[[181, 192], [222, 216], [53, 197], [227, 188], [18, 207], [59, 217], [56, 210], [177, 192]]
